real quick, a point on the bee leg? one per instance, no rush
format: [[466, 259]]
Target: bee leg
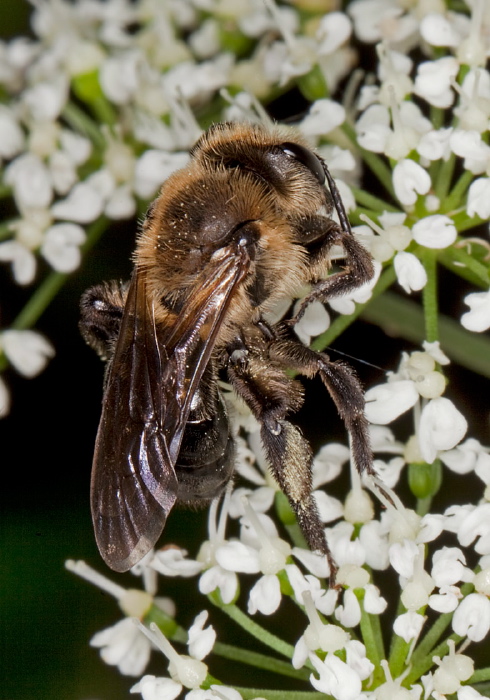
[[270, 395], [358, 266], [101, 311], [343, 386]]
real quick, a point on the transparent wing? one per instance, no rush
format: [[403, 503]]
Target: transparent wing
[[154, 373]]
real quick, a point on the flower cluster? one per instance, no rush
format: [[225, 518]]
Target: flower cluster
[[365, 546], [96, 111]]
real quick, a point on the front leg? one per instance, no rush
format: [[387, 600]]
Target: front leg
[[318, 234], [270, 395]]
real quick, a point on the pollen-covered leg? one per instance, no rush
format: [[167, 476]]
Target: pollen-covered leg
[[270, 395], [343, 386]]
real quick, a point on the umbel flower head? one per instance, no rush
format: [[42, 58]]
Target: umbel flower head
[[97, 109]]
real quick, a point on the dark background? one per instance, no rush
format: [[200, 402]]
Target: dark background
[[47, 614]]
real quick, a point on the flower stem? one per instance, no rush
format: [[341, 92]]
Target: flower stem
[[459, 261], [251, 693], [253, 658], [398, 655], [373, 641], [443, 179], [453, 200], [255, 630], [369, 200], [81, 122], [429, 295], [402, 317], [482, 674]]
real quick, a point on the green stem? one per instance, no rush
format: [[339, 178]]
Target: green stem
[[483, 674], [253, 658], [373, 641], [429, 295], [83, 124], [456, 194], [369, 200], [398, 655], [423, 505], [40, 301], [255, 630], [344, 321], [399, 316], [251, 693], [6, 229], [443, 179], [437, 117], [457, 259]]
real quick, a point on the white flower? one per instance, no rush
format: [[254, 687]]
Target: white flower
[[265, 596], [173, 561], [46, 99], [410, 272], [201, 640], [436, 231], [385, 402], [472, 617], [452, 669], [435, 144], [441, 427], [11, 134], [336, 678], [28, 351], [83, 205], [153, 688], [373, 128], [477, 319], [215, 576], [61, 246], [474, 523], [323, 116], [433, 81], [470, 146], [410, 179], [23, 261], [153, 168], [31, 183], [409, 625], [474, 108], [375, 20], [349, 612], [314, 321], [124, 646], [467, 457], [478, 203], [187, 671], [439, 31]]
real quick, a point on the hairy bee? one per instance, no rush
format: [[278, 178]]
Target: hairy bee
[[245, 224]]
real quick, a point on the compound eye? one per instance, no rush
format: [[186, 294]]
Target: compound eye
[[307, 158]]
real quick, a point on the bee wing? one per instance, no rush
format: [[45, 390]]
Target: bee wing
[[153, 375]]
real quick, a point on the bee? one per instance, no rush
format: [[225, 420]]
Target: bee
[[245, 224]]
